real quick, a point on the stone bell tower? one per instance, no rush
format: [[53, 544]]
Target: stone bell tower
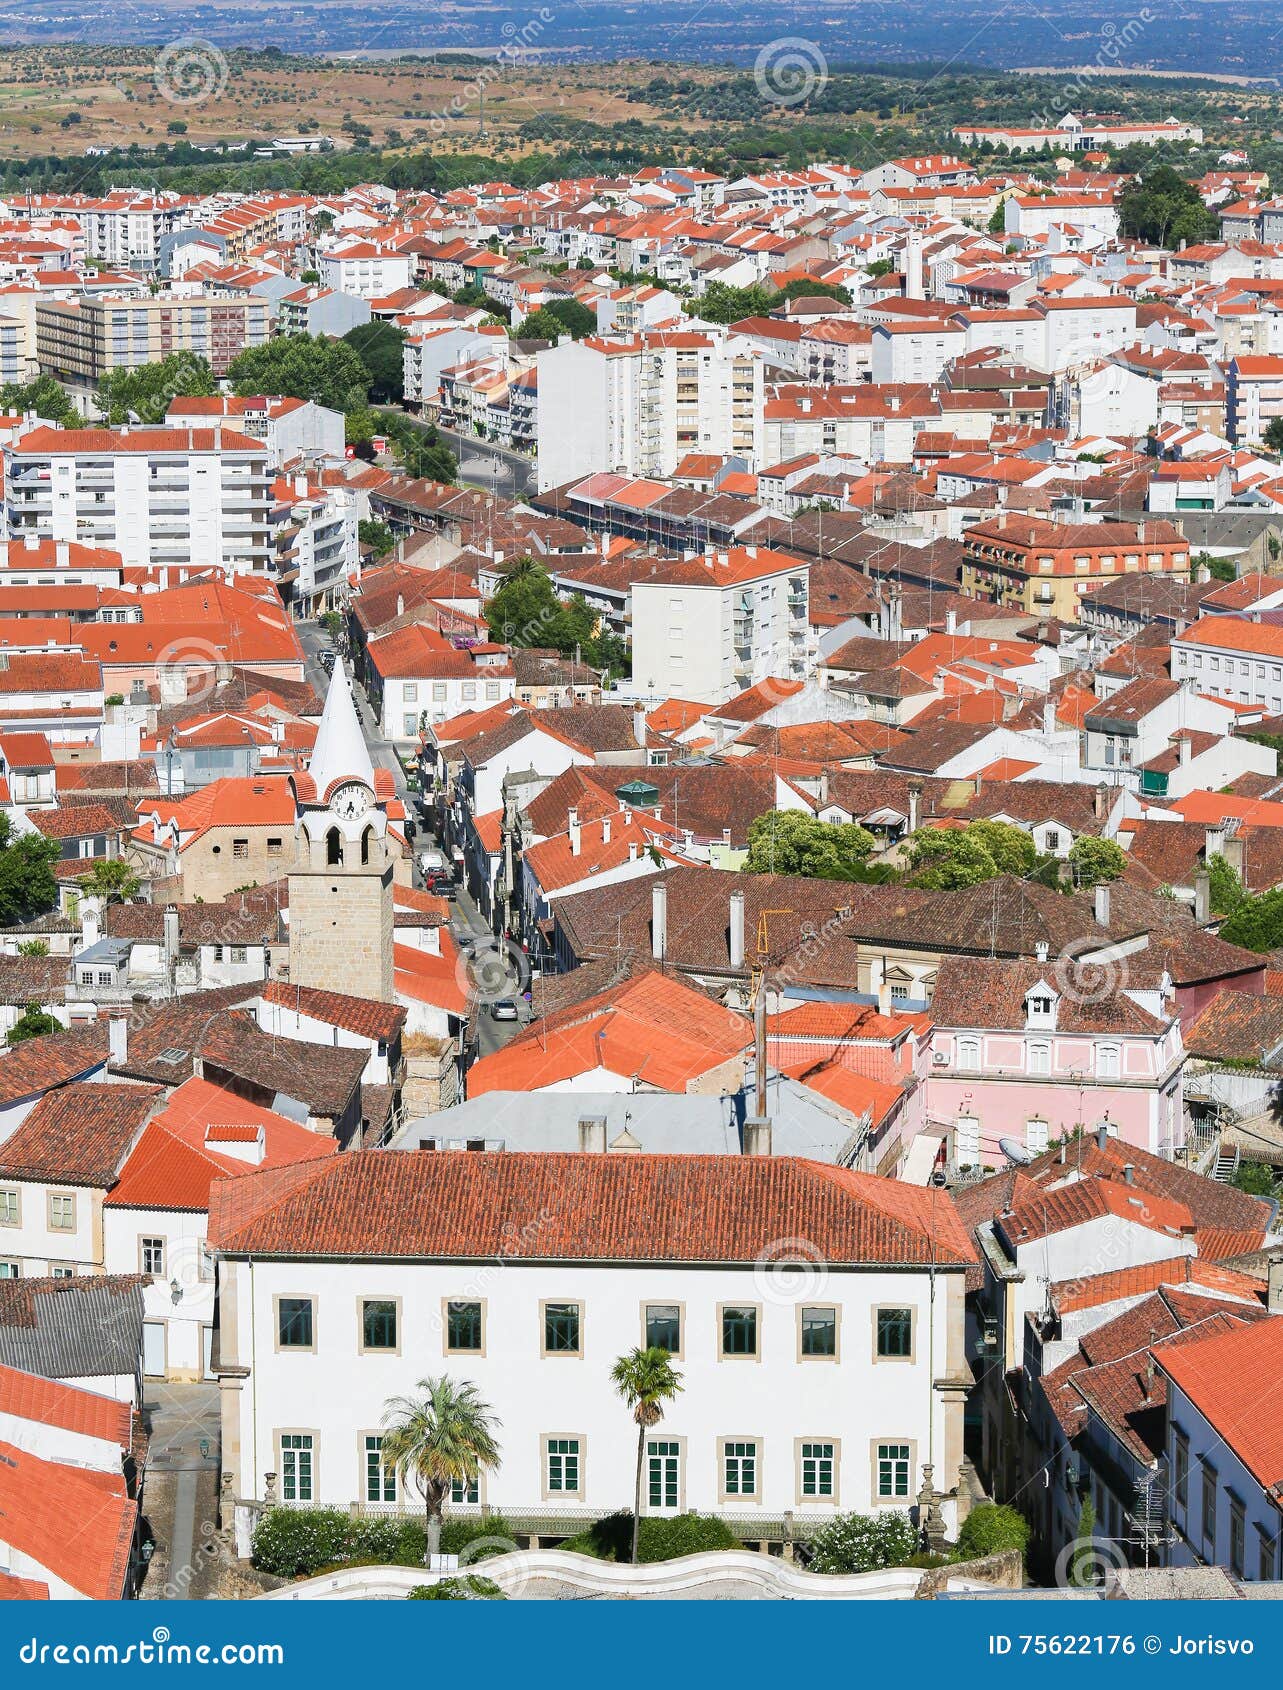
[[340, 887]]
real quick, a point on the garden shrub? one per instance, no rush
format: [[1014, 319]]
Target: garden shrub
[[611, 1539], [863, 1543], [299, 1542], [990, 1529]]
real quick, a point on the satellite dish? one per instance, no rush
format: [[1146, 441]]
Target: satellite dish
[[1015, 1153]]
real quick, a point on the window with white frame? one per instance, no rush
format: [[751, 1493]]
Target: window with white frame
[[62, 1212], [10, 1208], [893, 1471], [1106, 1062], [966, 1136], [465, 1491], [151, 1255], [739, 1461], [968, 1053], [818, 1466], [8, 1270], [1040, 1059], [297, 1467], [1035, 1135], [380, 1481], [663, 1473], [563, 1458]]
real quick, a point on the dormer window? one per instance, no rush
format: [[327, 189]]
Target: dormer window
[[1041, 1004]]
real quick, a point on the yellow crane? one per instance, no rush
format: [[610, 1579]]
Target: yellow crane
[[760, 955]]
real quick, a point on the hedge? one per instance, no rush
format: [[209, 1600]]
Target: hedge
[[298, 1542], [660, 1539], [457, 1590]]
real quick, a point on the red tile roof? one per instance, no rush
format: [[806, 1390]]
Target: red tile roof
[[79, 1135], [77, 1523], [29, 1397], [1232, 1380], [683, 1208], [364, 1016]]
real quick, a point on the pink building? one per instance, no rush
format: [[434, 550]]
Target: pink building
[[1032, 1051]]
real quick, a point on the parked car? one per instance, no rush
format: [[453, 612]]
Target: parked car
[[503, 1009], [440, 884]]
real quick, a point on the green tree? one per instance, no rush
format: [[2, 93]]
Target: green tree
[[112, 879], [1012, 849], [441, 1437], [863, 1543], [997, 224], [1255, 1178], [647, 1381], [380, 345], [27, 885], [722, 304], [302, 366], [33, 1023], [145, 394], [1224, 885], [558, 317], [1094, 861], [1163, 207], [377, 535], [46, 397], [809, 287], [1257, 923], [1220, 568], [1082, 1562], [1273, 436], [990, 1529], [945, 859], [796, 842]]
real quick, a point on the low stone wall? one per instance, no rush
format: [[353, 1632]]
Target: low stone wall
[[726, 1575], [1005, 1571]]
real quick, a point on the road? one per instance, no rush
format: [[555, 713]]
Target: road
[[498, 469], [314, 641], [181, 1488]]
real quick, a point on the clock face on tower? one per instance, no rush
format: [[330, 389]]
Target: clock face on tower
[[351, 800]]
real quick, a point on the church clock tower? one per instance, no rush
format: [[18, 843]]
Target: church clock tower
[[340, 888]]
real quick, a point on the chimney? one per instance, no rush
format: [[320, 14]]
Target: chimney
[[1202, 898], [400, 604], [950, 621], [1102, 906], [171, 933], [639, 727], [61, 553], [1042, 950], [1049, 716], [737, 930], [915, 804], [659, 919], [89, 925], [757, 1136], [1102, 1136], [592, 1134], [632, 850], [118, 1038], [1274, 1286], [759, 1050], [1102, 799], [572, 826], [1129, 1173], [884, 998], [605, 831]]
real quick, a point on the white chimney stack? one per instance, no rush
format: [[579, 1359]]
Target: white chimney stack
[[737, 930], [659, 919]]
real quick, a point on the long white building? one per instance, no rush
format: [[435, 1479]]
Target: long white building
[[637, 406], [155, 495], [815, 1315], [707, 627]]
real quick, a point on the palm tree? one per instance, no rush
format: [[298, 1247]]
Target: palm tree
[[443, 1436], [646, 1380]]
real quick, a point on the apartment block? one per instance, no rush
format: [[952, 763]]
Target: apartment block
[[83, 340], [638, 406], [155, 495], [708, 627], [1042, 567]]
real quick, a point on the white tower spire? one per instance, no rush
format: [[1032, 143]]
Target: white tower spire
[[340, 751]]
